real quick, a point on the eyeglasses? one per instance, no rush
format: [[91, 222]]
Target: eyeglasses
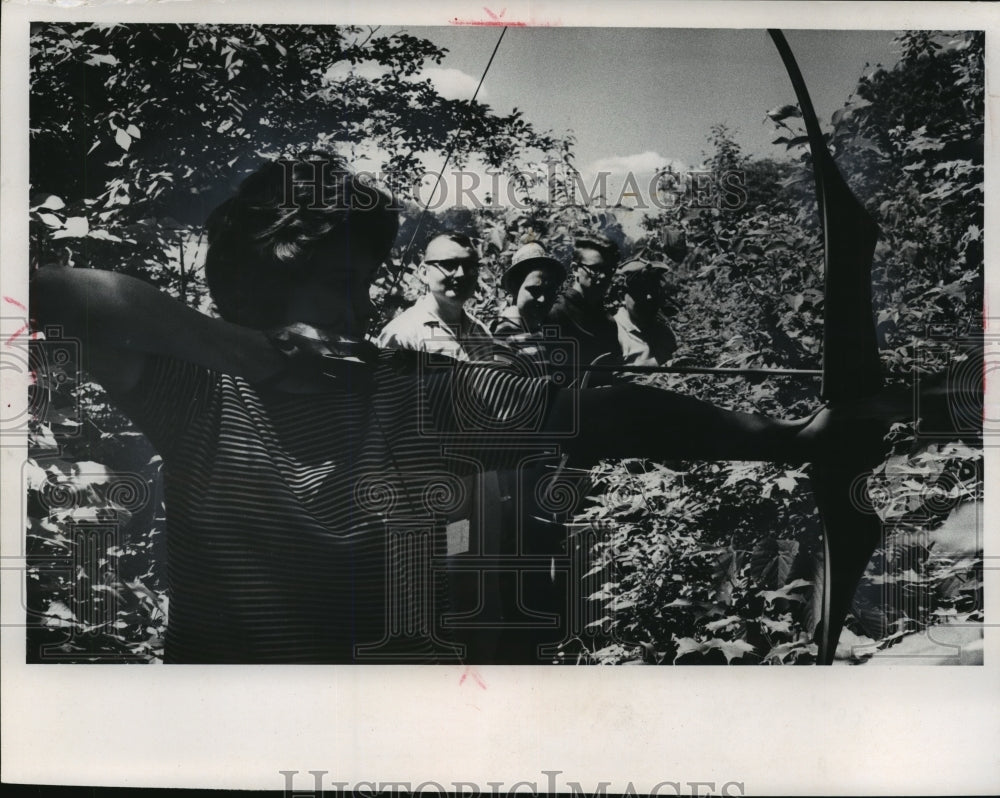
[[452, 265], [595, 274]]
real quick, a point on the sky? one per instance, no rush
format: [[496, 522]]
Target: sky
[[626, 91], [639, 98]]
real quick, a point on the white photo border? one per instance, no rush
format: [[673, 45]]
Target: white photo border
[[790, 730]]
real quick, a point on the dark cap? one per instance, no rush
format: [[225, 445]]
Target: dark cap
[[645, 280]]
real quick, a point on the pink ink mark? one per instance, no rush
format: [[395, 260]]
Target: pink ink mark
[[486, 23], [14, 337], [470, 671], [14, 302], [495, 20]]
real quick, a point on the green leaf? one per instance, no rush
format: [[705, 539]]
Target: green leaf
[[51, 220], [771, 561], [98, 59], [123, 139], [59, 615], [76, 227], [732, 649], [777, 626], [784, 112], [52, 203], [786, 483], [786, 593], [722, 623]]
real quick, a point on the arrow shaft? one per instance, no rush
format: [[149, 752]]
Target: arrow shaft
[[706, 370], [607, 367]]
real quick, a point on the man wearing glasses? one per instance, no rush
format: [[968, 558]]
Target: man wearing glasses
[[580, 312], [438, 322]]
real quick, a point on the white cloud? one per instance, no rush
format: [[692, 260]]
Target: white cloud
[[643, 163], [452, 84], [631, 182], [629, 179]]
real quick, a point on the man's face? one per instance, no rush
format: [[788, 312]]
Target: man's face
[[450, 271], [536, 296], [650, 295], [642, 308], [590, 273]]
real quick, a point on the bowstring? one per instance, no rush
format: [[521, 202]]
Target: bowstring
[[393, 461], [378, 320]]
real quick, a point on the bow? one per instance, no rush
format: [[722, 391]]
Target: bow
[[851, 369], [851, 366]]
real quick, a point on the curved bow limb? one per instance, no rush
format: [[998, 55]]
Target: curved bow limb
[[851, 370]]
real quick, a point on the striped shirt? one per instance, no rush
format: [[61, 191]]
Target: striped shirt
[[305, 527]]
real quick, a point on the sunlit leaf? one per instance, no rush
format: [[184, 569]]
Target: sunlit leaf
[[75, 227], [50, 219], [123, 139]]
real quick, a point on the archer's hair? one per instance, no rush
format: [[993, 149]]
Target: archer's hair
[[290, 218]]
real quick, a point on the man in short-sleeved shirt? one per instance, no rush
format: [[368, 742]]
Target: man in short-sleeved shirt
[[438, 322], [646, 339]]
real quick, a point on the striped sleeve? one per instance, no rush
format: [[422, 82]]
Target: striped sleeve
[[169, 399], [490, 403]]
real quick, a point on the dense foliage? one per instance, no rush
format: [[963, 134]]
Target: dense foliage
[[694, 562], [718, 562]]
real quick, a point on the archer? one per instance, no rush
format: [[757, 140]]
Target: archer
[[274, 420]]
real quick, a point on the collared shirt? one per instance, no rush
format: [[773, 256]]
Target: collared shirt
[[509, 323], [650, 347], [511, 328], [482, 512], [421, 329]]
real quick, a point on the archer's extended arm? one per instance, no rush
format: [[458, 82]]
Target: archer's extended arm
[[120, 321]]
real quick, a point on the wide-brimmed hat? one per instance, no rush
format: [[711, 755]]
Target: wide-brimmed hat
[[527, 259]]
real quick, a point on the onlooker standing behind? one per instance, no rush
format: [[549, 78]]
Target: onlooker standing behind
[[536, 597], [580, 312], [532, 281], [645, 336], [438, 322]]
